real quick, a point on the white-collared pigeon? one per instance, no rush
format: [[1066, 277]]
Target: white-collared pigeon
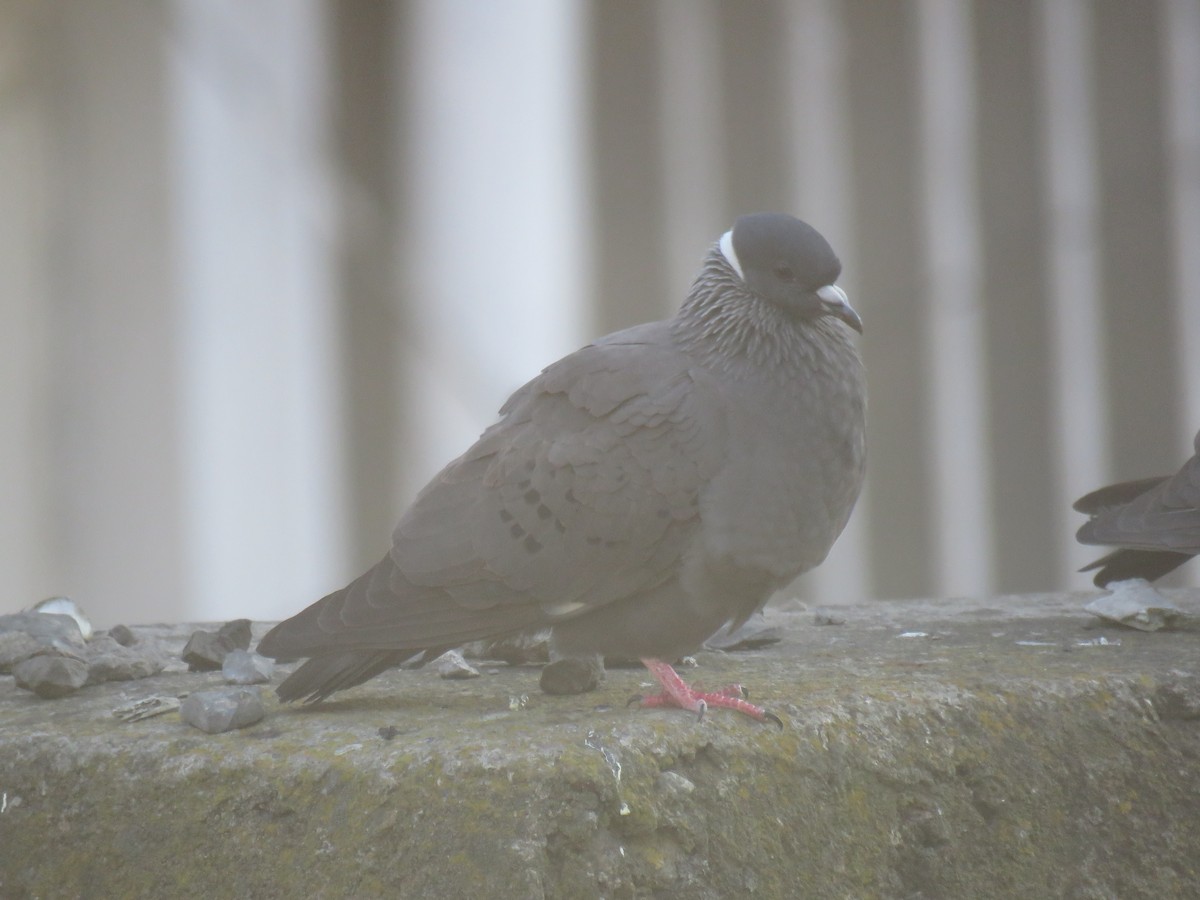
[[635, 496]]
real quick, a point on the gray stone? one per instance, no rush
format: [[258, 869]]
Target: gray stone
[[50, 675], [572, 675], [236, 635], [45, 627], [109, 661], [65, 606], [452, 666], [123, 635], [244, 667], [222, 710], [205, 651], [16, 646]]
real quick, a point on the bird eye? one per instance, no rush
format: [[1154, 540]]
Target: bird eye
[[784, 273]]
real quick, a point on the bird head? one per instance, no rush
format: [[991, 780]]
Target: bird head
[[786, 262]]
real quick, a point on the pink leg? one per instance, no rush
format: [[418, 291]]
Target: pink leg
[[676, 692]]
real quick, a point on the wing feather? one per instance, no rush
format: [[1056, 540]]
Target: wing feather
[[585, 492]]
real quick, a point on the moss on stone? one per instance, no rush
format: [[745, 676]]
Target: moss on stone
[[963, 766]]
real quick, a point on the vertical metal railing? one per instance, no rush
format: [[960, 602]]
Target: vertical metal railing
[[1014, 189], [971, 485]]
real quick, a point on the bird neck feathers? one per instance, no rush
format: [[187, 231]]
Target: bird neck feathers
[[727, 325]]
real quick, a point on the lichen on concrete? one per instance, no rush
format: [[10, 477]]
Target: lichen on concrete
[[1008, 753]]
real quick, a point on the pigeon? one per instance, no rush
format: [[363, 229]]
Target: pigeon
[[1154, 521], [636, 496]]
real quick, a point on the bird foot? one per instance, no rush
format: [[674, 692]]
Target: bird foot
[[676, 692]]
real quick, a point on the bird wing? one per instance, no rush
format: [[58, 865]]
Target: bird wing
[[1121, 565], [585, 491], [1163, 515], [1119, 494]]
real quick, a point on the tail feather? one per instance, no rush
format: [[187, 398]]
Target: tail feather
[[326, 673], [1128, 563], [377, 622]]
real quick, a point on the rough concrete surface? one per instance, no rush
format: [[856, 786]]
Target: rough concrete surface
[[1019, 749]]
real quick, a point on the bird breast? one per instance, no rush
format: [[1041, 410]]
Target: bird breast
[[795, 464]]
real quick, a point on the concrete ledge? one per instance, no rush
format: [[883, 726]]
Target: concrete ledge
[[1010, 752]]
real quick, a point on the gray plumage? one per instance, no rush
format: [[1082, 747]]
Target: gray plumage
[[1154, 521], [639, 493]]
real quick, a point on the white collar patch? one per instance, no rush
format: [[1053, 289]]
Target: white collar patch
[[730, 254]]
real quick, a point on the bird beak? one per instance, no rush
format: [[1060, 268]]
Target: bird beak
[[835, 303]]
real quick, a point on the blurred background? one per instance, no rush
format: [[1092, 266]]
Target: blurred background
[[266, 266]]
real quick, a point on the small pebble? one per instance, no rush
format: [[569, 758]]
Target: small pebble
[[236, 634], [109, 661], [123, 635], [222, 710], [244, 667], [65, 606], [44, 627], [51, 676], [451, 665], [824, 616], [572, 675], [206, 650], [16, 646]]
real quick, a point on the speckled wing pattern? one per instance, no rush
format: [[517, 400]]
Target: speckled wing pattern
[[585, 492]]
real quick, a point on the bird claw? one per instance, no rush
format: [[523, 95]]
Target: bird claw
[[677, 693]]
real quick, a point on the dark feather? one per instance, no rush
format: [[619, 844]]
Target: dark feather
[[329, 672], [635, 496], [1155, 523]]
